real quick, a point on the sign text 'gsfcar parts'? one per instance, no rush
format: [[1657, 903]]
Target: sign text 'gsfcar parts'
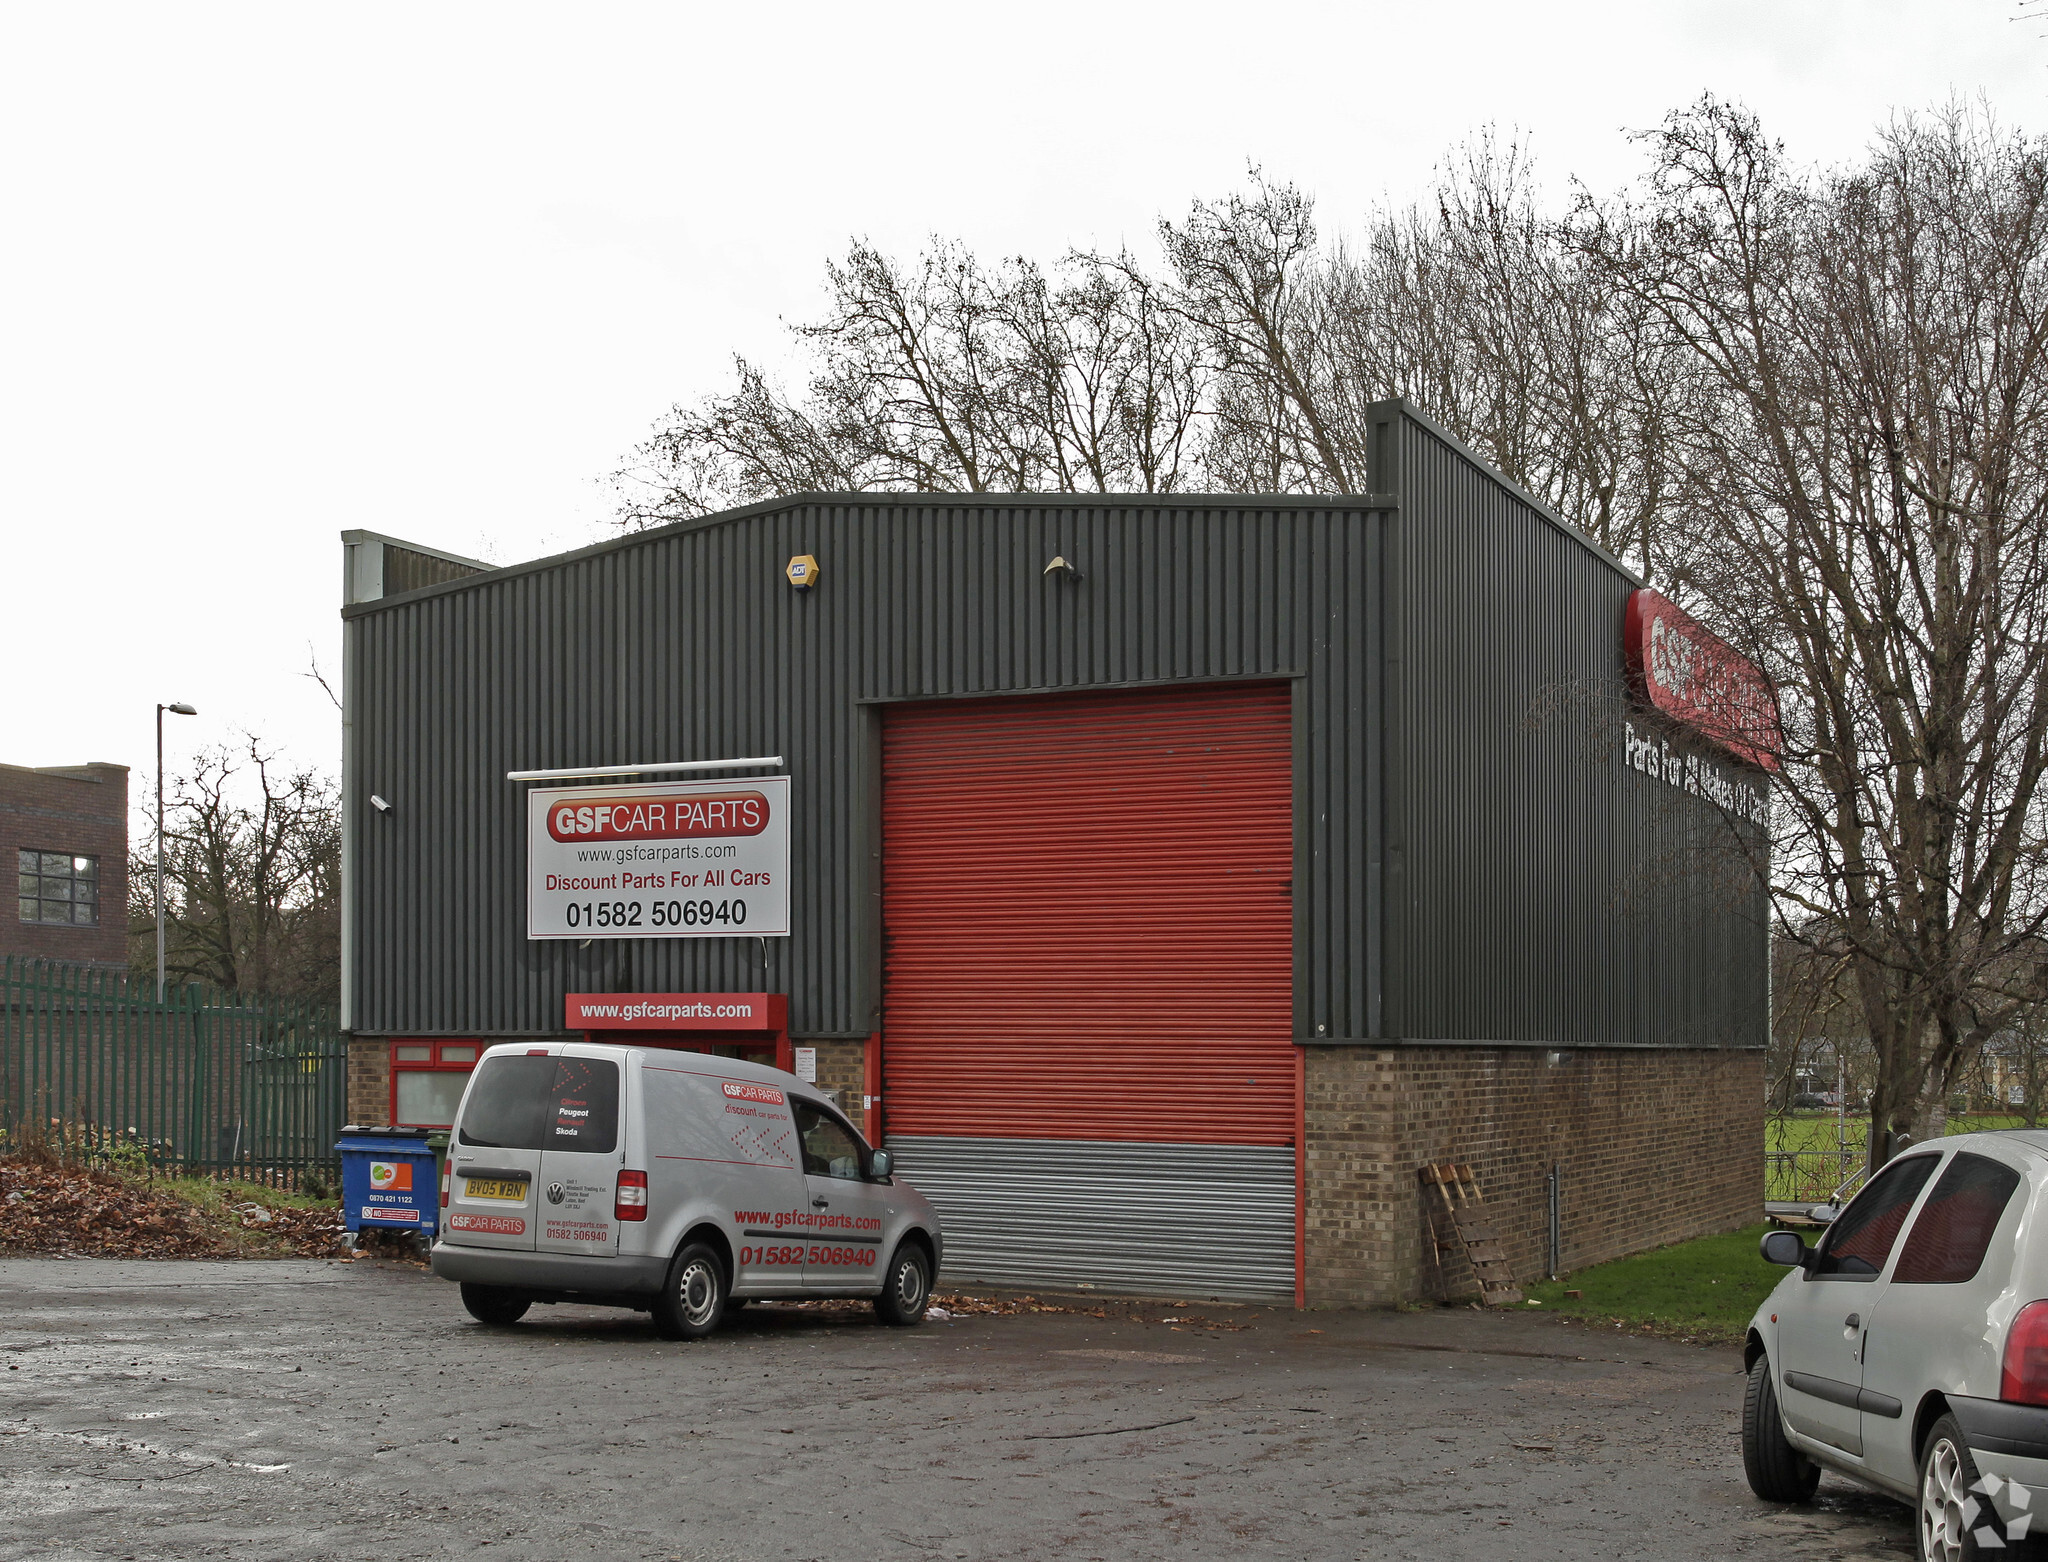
[[677, 859]]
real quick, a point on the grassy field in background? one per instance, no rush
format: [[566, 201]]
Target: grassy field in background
[[1704, 1290], [1808, 1131], [1814, 1136]]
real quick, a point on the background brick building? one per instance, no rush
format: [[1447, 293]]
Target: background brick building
[[65, 830]]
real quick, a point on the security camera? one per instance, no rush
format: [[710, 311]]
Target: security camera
[[379, 804]]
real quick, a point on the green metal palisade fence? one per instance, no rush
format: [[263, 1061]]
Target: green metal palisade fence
[[204, 1082]]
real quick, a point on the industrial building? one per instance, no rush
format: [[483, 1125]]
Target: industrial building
[[1167, 877]]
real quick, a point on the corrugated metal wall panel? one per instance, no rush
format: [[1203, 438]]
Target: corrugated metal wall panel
[[1539, 889], [1088, 912], [1183, 1222], [689, 643], [1544, 891]]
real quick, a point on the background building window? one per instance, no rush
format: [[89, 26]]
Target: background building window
[[60, 887], [427, 1080]]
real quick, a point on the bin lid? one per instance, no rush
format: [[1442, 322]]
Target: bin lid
[[403, 1141]]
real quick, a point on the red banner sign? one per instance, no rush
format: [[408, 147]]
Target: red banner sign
[[676, 1011], [1679, 669], [640, 818]]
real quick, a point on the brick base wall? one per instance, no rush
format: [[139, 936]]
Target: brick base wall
[[842, 1066], [369, 1081], [1653, 1146]]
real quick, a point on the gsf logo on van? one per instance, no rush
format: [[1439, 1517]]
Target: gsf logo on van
[[766, 1094]]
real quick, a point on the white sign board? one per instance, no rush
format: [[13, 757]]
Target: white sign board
[[673, 859]]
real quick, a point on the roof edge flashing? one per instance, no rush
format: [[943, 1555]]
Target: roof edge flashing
[[355, 606], [1436, 430], [370, 560]]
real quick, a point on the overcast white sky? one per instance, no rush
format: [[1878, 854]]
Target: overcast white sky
[[269, 271]]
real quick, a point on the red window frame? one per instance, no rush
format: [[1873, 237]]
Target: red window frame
[[465, 1053]]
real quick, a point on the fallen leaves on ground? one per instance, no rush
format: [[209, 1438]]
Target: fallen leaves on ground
[[1170, 1313], [62, 1208]]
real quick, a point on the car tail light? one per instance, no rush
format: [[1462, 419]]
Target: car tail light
[[2025, 1378], [631, 1202], [444, 1186]]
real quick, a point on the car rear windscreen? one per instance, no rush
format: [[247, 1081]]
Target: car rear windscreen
[[544, 1104]]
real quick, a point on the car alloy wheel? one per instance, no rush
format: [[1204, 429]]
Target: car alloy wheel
[[1955, 1520]]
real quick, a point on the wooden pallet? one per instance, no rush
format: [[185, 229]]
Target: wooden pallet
[[1458, 1223]]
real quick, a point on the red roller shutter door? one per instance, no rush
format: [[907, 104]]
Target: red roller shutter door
[[1088, 1014]]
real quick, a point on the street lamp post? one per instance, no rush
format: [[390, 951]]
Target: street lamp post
[[177, 709]]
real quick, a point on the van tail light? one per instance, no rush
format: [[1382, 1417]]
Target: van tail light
[[631, 1202], [444, 1185], [2025, 1378]]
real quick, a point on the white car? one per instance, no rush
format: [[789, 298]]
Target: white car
[[1909, 1350]]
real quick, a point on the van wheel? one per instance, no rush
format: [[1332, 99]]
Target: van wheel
[[493, 1304], [693, 1301], [1777, 1471], [906, 1288]]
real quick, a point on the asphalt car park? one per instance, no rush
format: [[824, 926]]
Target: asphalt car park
[[314, 1410]]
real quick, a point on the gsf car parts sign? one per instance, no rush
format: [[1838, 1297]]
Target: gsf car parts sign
[[674, 859]]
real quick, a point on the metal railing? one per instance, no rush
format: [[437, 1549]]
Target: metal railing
[[205, 1082]]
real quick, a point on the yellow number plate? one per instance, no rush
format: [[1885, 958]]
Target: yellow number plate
[[491, 1188]]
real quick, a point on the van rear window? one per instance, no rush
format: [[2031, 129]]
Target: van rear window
[[544, 1104]]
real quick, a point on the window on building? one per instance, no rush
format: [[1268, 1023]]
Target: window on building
[[60, 887], [427, 1080]]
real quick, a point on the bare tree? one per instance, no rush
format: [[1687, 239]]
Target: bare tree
[[1813, 406], [948, 375], [253, 877], [1866, 485]]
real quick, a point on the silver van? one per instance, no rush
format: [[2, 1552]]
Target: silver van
[[676, 1183]]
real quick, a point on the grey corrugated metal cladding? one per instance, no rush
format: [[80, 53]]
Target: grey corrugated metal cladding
[[1474, 859]]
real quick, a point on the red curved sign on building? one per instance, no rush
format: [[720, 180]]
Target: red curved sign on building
[[1679, 669]]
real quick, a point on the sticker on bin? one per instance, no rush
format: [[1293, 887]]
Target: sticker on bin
[[490, 1225], [390, 1212], [391, 1176]]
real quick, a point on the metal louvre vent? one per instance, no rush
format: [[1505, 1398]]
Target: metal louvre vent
[[1197, 1221]]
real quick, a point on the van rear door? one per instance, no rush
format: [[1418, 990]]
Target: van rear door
[[494, 1153], [581, 1155]]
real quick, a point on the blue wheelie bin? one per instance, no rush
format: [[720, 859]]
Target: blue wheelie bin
[[389, 1181]]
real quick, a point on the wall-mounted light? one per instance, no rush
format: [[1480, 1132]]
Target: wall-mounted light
[[1060, 566], [802, 571], [379, 804]]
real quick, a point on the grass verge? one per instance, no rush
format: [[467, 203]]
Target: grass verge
[[227, 1212], [1702, 1291]]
